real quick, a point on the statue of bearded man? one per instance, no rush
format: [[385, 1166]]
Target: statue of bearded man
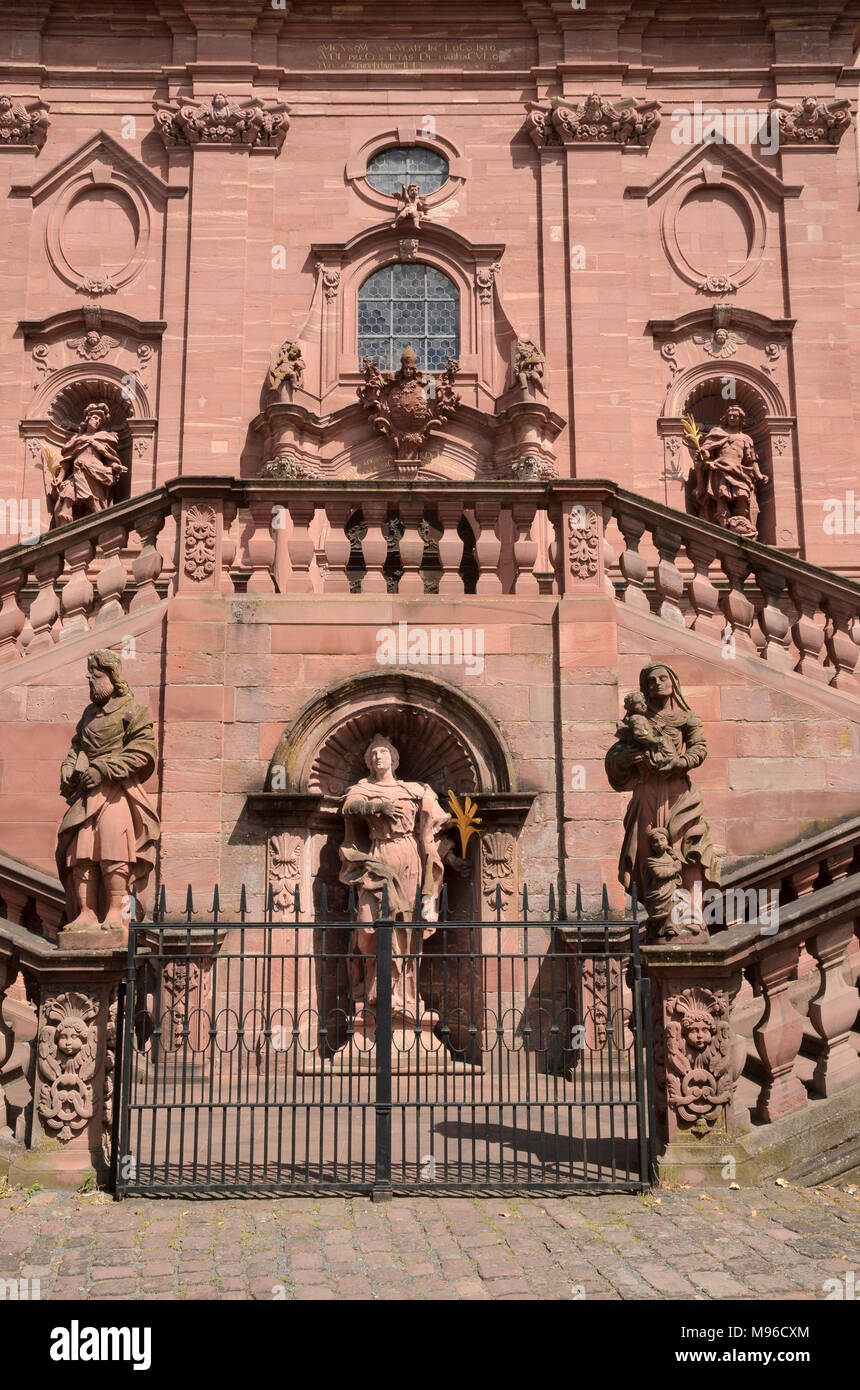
[[107, 839], [392, 838]]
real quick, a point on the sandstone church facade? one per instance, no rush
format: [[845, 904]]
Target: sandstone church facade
[[430, 373]]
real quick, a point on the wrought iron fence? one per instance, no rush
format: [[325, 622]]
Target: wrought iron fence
[[350, 1057]]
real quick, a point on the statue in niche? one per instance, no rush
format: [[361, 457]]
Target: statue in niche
[[88, 469], [107, 838], [664, 799], [529, 366], [393, 838], [411, 207], [288, 368], [725, 476]]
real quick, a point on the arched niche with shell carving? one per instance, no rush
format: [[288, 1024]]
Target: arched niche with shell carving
[[699, 397]]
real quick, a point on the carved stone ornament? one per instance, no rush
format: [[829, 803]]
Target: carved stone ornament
[[67, 1064], [721, 343], [406, 405], [772, 357], [200, 542], [287, 367], [22, 125], [698, 1056], [812, 121], [583, 542], [485, 279], [411, 207], [529, 366], [409, 248], [219, 121], [716, 284], [529, 467], [497, 866], [109, 1076], [285, 866], [285, 466], [330, 279], [631, 121], [93, 346]]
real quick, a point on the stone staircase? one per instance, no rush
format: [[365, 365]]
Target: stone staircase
[[567, 537]]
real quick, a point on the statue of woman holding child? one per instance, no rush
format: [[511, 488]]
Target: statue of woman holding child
[[667, 851]]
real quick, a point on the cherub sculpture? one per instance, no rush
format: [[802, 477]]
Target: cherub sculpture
[[288, 367], [411, 207]]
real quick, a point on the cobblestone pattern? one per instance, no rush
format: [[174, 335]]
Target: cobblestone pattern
[[771, 1243]]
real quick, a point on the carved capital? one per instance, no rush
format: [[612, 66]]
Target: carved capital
[[218, 121]]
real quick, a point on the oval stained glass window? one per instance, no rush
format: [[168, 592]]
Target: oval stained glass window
[[390, 169]]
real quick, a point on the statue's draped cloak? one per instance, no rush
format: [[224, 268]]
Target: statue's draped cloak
[[403, 849], [669, 801], [114, 821]]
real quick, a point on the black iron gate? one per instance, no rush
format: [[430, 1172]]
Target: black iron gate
[[264, 1058]]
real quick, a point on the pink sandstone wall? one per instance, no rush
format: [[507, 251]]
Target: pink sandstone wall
[[784, 755], [229, 265]]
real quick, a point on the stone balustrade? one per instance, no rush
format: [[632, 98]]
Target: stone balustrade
[[31, 899], [801, 867], [343, 536], [80, 576], [743, 1038]]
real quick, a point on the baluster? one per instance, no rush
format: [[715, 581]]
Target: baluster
[[260, 547], [337, 547], [633, 566], [488, 546], [704, 596], [525, 549], [112, 578], [772, 621], [778, 1035], [12, 618], [841, 646], [735, 604], [76, 599], [374, 547], [300, 547], [668, 580], [147, 563], [808, 633], [411, 547], [833, 1010], [45, 607], [450, 510]]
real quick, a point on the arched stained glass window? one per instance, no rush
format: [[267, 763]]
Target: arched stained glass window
[[390, 169], [412, 305]]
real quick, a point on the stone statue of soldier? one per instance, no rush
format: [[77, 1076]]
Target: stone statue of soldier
[[107, 840]]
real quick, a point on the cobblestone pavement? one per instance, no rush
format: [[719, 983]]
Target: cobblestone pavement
[[770, 1243]]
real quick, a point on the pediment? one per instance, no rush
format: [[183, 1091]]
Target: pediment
[[105, 158], [713, 162]]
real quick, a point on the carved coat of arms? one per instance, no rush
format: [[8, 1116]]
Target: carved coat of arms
[[406, 405]]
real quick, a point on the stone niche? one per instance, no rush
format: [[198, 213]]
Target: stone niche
[[445, 740]]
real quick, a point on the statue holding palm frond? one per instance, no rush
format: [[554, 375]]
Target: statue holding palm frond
[[725, 474]]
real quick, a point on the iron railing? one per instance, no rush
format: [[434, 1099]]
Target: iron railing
[[281, 1057]]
